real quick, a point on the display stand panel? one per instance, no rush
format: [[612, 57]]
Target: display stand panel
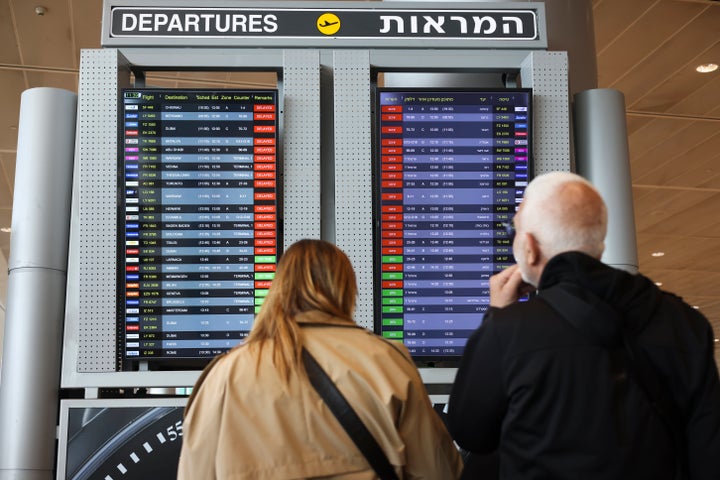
[[325, 123], [92, 356]]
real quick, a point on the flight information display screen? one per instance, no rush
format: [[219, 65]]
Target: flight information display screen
[[451, 169], [199, 220]]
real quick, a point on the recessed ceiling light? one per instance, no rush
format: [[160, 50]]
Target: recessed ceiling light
[[707, 67], [658, 254], [5, 229], [659, 284], [696, 307]]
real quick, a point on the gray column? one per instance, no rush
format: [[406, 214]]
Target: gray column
[[301, 145], [36, 284], [352, 173], [602, 156], [3, 301]]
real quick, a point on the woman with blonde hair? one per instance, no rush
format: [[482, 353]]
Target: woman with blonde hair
[[254, 414]]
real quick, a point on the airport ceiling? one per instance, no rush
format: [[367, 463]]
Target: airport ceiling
[[648, 49]]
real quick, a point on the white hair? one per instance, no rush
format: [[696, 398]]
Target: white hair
[[564, 212]]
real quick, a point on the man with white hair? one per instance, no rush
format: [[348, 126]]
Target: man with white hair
[[601, 375]]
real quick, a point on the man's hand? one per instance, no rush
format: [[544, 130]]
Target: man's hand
[[507, 286]]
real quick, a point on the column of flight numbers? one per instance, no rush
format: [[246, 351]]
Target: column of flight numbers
[[511, 132], [153, 223], [504, 179]]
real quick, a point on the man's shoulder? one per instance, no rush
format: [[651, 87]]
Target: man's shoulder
[[529, 319], [523, 311], [675, 311]]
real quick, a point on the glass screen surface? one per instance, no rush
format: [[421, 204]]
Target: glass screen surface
[[198, 221], [451, 167]]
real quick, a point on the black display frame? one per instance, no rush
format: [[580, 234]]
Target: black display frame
[[183, 362], [441, 360]]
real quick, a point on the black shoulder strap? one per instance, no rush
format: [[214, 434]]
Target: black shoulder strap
[[574, 309], [350, 421]]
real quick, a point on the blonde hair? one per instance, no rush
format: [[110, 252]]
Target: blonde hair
[[311, 275]]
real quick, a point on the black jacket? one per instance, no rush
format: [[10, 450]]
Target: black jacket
[[557, 404]]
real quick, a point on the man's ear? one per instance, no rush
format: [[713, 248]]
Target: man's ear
[[533, 255]]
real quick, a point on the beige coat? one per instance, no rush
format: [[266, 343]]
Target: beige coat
[[243, 425]]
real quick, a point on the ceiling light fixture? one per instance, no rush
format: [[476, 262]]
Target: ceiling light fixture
[[706, 67], [659, 284], [5, 229], [40, 10], [658, 254]]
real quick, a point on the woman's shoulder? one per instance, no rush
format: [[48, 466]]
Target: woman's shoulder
[[217, 371], [352, 339]]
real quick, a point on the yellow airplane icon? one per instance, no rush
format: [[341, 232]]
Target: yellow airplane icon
[[328, 24]]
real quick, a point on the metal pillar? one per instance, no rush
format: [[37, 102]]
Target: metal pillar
[[602, 157], [29, 392]]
